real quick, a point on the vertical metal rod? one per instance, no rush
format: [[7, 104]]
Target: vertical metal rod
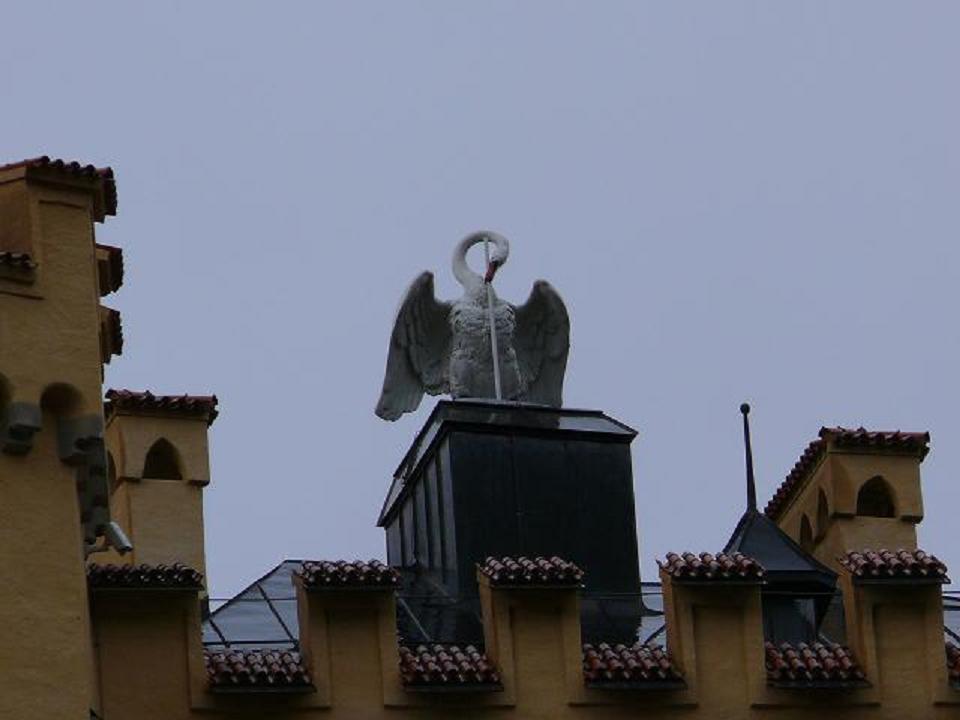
[[748, 452], [493, 325]]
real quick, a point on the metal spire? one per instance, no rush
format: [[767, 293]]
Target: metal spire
[[751, 486]]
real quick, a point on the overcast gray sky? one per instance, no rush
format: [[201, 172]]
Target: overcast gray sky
[[738, 200]]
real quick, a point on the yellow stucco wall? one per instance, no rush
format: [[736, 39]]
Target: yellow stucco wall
[[49, 357]]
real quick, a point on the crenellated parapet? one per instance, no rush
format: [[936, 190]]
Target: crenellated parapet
[[349, 661], [893, 608]]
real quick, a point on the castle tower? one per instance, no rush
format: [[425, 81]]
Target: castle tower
[[853, 489], [54, 339], [159, 464]]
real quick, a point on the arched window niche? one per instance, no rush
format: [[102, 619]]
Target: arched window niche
[[875, 499], [163, 462], [111, 472], [823, 514], [62, 401], [806, 534]]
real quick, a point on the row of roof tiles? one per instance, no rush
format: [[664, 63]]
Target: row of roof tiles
[[119, 402], [327, 574], [143, 576], [529, 572], [439, 665], [539, 571], [912, 443], [864, 565], [74, 170], [814, 663], [894, 565], [260, 669], [446, 665], [604, 665], [639, 663], [735, 567]]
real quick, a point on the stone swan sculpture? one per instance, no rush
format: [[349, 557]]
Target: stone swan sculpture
[[442, 347]]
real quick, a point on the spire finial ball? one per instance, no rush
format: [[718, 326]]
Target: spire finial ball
[[745, 408]]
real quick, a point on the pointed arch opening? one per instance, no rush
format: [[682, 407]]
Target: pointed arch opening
[[111, 472], [806, 534], [163, 462], [875, 499], [823, 514]]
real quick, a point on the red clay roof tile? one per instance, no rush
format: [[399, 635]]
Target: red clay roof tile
[[333, 574], [143, 576], [108, 185], [735, 567], [638, 664], [447, 666], [128, 402], [909, 443], [894, 565], [253, 670], [811, 664], [527, 572]]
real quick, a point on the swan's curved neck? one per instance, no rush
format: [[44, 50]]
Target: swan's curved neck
[[461, 270]]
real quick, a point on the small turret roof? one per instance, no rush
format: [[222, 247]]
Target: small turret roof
[[785, 562]]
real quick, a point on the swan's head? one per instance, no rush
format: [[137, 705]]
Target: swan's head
[[498, 256], [499, 252]]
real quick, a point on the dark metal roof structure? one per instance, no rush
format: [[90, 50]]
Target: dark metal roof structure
[[784, 561], [488, 415]]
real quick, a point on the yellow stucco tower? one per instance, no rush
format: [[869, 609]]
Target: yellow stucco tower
[[158, 466], [51, 482]]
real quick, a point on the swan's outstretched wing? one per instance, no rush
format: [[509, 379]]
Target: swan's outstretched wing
[[541, 340], [419, 356]]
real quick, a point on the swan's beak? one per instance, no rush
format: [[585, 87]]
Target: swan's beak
[[492, 268]]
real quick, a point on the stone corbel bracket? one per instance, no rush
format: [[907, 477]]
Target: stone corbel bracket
[[81, 445], [20, 422]]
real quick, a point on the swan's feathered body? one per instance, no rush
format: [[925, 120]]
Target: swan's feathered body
[[444, 347], [471, 360]]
